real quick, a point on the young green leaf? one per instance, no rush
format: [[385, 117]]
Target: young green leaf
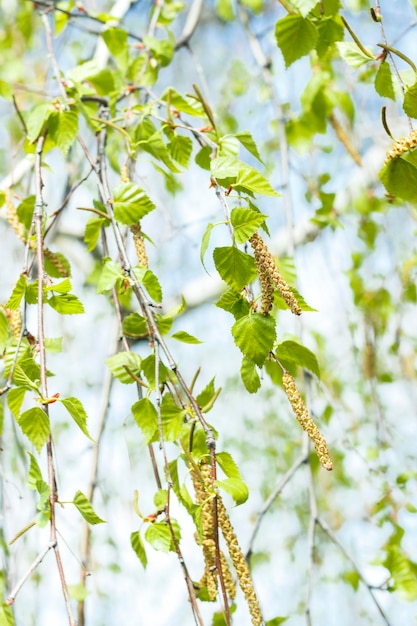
[[134, 325], [63, 128], [295, 37], [227, 464], [205, 242], [236, 488], [17, 294], [146, 417], [410, 101], [116, 41], [78, 414], [130, 203], [92, 231], [249, 179], [118, 363], [254, 335], [245, 223], [15, 399], [138, 547], [181, 148], [35, 425], [53, 344], [63, 287], [304, 6], [353, 55], [400, 179], [34, 472], [250, 376], [160, 499], [110, 274], [158, 535], [67, 304], [172, 418], [182, 335], [21, 379], [248, 142], [150, 282], [236, 268], [383, 81], [85, 508], [4, 331], [299, 354]]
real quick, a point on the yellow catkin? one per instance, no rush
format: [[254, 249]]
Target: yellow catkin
[[124, 174], [239, 563], [12, 217], [270, 277], [343, 137], [306, 420], [401, 146], [140, 247], [15, 322]]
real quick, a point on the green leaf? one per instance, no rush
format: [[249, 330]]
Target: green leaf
[[276, 621], [67, 304], [236, 488], [34, 472], [245, 223], [181, 149], [383, 81], [400, 179], [130, 203], [254, 335], [188, 105], [56, 265], [224, 9], [232, 302], [295, 37], [353, 55], [15, 399], [25, 211], [35, 425], [134, 325], [17, 294], [227, 464], [138, 547], [410, 101], [4, 331], [205, 242], [299, 354], [157, 148], [78, 414], [304, 6], [118, 362], [251, 180], [247, 141], [63, 128], [160, 499], [250, 376], [158, 535], [236, 268], [35, 121], [182, 335], [63, 287], [84, 506], [6, 615], [93, 230], [146, 417], [110, 274], [172, 418], [116, 41], [150, 282], [21, 379]]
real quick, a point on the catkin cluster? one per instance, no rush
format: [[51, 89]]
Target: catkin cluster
[[202, 483], [270, 278], [343, 137], [14, 318], [401, 146], [239, 563], [306, 420], [139, 242], [56, 260]]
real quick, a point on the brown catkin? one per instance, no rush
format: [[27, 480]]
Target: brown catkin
[[270, 277], [401, 146], [12, 217], [343, 137], [306, 420], [139, 242], [239, 563]]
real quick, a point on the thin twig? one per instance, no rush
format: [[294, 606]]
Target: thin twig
[[191, 23], [12, 595]]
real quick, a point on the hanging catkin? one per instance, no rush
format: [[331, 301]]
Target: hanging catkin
[[306, 420], [270, 277]]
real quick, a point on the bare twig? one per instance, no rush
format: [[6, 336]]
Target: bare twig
[[191, 23], [12, 595]]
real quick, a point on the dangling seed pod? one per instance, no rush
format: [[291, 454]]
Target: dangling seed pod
[[306, 420], [270, 277], [239, 563], [343, 137], [401, 146]]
